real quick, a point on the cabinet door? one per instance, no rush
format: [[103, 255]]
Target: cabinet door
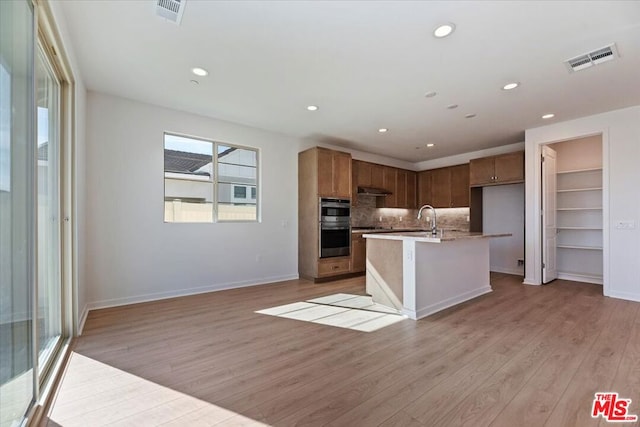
[[325, 173], [358, 254], [509, 167], [363, 175], [481, 171], [389, 184], [411, 190], [355, 167], [441, 187], [377, 176], [459, 186], [401, 189], [342, 175], [424, 188]]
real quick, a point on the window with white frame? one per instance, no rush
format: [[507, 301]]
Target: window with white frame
[[202, 187]]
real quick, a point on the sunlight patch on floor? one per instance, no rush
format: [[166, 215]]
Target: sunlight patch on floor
[[355, 312], [95, 394]]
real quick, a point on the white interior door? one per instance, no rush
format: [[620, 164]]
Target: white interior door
[[549, 226]]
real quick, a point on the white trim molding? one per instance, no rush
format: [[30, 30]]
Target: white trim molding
[[185, 292]]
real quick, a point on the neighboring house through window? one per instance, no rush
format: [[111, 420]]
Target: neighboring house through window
[[202, 188]]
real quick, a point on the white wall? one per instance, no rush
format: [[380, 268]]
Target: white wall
[[465, 157], [503, 212], [620, 131], [580, 153], [360, 155], [132, 254]]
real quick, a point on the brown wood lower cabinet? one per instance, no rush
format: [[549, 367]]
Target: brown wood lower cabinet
[[358, 253], [333, 266]]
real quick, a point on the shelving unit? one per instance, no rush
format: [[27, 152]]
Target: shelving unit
[[579, 219]]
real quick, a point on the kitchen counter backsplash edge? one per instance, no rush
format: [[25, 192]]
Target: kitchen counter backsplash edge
[[366, 214]]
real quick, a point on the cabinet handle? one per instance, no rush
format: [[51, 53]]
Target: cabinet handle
[[335, 267]]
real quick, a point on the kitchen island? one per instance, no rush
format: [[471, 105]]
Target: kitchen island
[[420, 274]]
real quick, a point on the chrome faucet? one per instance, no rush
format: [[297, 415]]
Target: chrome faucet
[[434, 231]]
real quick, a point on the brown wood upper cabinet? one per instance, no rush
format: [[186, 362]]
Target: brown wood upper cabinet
[[402, 184], [334, 173], [444, 187], [424, 188], [494, 170], [389, 179], [459, 186]]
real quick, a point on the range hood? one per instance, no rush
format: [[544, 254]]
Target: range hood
[[371, 191]]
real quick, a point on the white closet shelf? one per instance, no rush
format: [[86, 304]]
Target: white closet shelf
[[587, 248], [599, 208], [571, 190], [579, 171]]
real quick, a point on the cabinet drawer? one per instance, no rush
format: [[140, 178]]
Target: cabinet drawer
[[331, 267]]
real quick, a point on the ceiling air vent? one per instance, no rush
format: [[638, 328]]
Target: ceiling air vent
[[590, 59], [171, 10]]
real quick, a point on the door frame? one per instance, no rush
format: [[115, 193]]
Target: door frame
[[544, 218], [533, 199]]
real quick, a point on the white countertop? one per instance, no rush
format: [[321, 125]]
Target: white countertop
[[425, 236]]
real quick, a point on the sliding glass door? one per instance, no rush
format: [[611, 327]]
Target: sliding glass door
[[17, 212], [49, 291], [31, 287]]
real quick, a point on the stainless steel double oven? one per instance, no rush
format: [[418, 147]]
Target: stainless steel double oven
[[335, 227]]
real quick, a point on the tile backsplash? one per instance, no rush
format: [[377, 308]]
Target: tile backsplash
[[366, 214]]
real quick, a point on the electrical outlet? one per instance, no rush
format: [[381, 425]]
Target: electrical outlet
[[400, 219], [520, 262], [626, 225], [468, 219]]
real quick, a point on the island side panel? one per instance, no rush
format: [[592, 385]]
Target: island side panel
[[409, 279], [449, 273], [384, 272]]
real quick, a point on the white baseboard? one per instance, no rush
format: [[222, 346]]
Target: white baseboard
[[186, 292], [580, 278], [434, 308], [514, 271], [530, 281], [629, 296], [83, 319]]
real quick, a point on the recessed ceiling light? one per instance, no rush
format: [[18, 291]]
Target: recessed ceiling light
[[452, 106], [430, 94], [382, 130], [199, 71], [312, 107], [195, 82], [444, 30], [510, 86], [548, 116], [430, 145], [470, 116]]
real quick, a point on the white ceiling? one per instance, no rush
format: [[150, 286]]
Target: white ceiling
[[367, 65]]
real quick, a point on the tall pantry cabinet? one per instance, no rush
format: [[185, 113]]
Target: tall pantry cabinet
[[321, 173]]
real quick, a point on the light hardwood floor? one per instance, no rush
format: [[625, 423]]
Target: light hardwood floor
[[520, 356]]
